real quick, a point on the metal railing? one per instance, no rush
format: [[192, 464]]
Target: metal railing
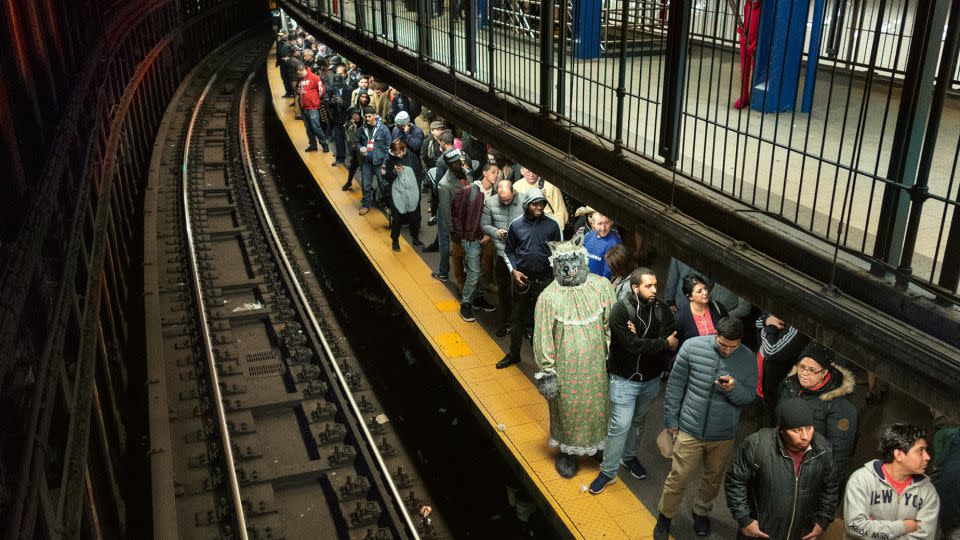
[[849, 148]]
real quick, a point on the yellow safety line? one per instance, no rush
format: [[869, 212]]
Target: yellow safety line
[[507, 399]]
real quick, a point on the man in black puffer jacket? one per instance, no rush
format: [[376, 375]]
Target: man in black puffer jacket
[[782, 482]]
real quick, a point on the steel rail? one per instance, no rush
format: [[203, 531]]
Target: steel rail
[[202, 312], [298, 288]]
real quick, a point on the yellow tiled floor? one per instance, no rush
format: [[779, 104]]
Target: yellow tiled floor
[[505, 397]]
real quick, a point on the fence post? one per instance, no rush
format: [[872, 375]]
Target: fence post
[[451, 27], [915, 106], [621, 77], [562, 60], [424, 37], [678, 36], [491, 51], [470, 35], [546, 56], [393, 21]]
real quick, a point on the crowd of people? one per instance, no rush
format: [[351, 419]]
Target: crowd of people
[[498, 227]]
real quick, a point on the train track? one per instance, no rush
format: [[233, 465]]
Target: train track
[[271, 427]]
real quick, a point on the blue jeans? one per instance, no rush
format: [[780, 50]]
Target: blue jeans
[[369, 171], [471, 261], [339, 142], [631, 400], [311, 121], [443, 243]]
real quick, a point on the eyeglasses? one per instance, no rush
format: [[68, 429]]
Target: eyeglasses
[[804, 369]]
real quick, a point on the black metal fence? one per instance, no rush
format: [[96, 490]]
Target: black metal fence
[[858, 148]]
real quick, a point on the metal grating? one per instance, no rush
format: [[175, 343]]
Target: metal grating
[[264, 364]]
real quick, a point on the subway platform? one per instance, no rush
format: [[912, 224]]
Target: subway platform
[[515, 413]]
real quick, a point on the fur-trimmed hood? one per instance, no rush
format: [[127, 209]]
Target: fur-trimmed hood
[[842, 383]]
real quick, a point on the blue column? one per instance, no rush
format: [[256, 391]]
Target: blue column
[[783, 27], [481, 13], [586, 28]]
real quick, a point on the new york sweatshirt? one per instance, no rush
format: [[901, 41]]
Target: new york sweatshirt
[[872, 509]]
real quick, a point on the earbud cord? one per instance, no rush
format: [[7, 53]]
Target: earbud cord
[[646, 328]]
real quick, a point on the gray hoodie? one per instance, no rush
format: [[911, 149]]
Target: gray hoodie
[[872, 509], [497, 215]]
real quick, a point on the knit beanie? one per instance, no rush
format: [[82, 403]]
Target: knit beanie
[[402, 118], [452, 155], [369, 110], [818, 353], [795, 413]]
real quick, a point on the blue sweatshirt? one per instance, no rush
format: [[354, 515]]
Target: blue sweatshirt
[[597, 247]]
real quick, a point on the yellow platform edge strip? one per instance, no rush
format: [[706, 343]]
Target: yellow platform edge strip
[[509, 393]]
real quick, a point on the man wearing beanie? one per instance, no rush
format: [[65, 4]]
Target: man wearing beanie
[[408, 132], [373, 145], [826, 388], [782, 482]]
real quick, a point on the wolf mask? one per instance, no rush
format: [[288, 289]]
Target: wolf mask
[[569, 262]]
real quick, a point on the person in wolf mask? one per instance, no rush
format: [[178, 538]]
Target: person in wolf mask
[[571, 339]]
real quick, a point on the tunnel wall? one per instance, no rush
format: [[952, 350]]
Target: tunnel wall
[[83, 86]]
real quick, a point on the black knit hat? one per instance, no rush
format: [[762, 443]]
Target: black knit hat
[[795, 413], [369, 110], [819, 353]]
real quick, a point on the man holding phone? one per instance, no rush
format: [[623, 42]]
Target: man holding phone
[[529, 258], [713, 378]]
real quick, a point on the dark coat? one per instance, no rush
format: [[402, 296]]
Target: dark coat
[[404, 103], [694, 403], [409, 159], [761, 485], [413, 138], [687, 327], [337, 99], [291, 69], [641, 356], [526, 244], [781, 349], [381, 142], [834, 416], [948, 486]]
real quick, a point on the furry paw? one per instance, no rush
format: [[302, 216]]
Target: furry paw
[[566, 465], [547, 384]]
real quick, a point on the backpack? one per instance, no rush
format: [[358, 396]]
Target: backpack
[[632, 310], [466, 210]]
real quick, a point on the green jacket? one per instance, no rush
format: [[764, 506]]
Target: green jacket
[[761, 485], [834, 416]]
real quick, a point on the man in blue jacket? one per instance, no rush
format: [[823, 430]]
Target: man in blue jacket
[[712, 379], [529, 257], [373, 145]]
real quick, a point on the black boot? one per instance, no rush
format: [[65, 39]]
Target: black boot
[[566, 465], [662, 530]]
